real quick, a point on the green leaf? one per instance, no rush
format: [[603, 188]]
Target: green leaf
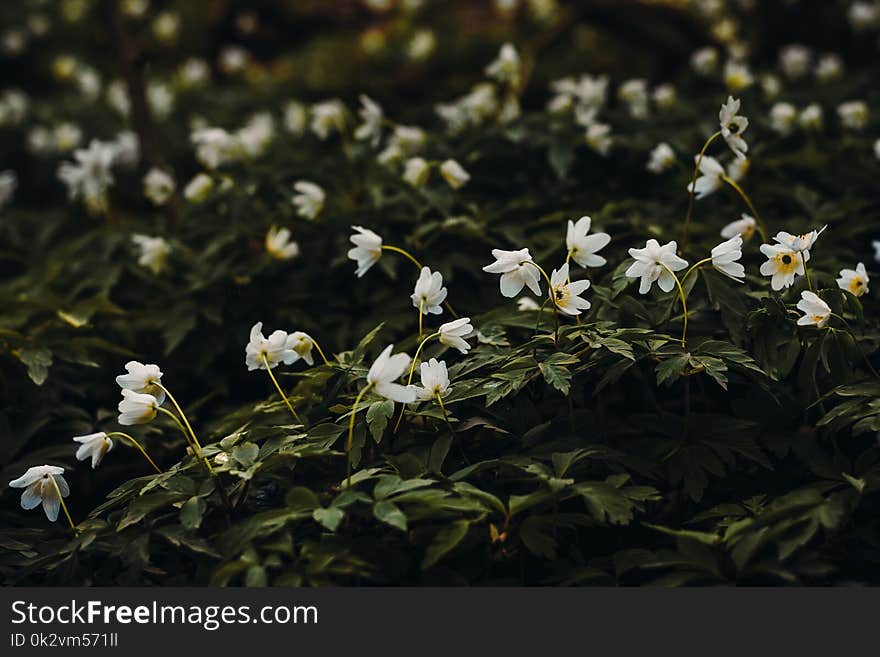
[[445, 541], [38, 361], [390, 514]]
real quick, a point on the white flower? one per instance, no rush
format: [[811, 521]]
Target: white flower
[[795, 60], [662, 158], [583, 247], [811, 117], [435, 379], [877, 149], [421, 45], [635, 94], [161, 98], [327, 117], [705, 60], [737, 76], [309, 200], [385, 370], [233, 59], [94, 446], [142, 379], [586, 95], [782, 264], [454, 174], [166, 26], [599, 138], [816, 312], [198, 189], [853, 114], [296, 118], [801, 243], [732, 127], [154, 252], [854, 280], [771, 85], [367, 249], [405, 141], [452, 333], [39, 489], [829, 67], [429, 292], [136, 408], [67, 136], [744, 227], [566, 295], [126, 149], [194, 72], [415, 171], [158, 186], [526, 304], [91, 176], [726, 256], [256, 135], [371, 114], [214, 146], [516, 271], [302, 344], [506, 67], [711, 178], [275, 349], [8, 185], [783, 117], [863, 15], [655, 263], [664, 96], [279, 244]]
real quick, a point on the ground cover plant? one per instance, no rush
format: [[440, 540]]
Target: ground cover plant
[[439, 293]]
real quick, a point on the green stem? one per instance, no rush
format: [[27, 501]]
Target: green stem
[[421, 317], [351, 433], [182, 414], [694, 268], [683, 305], [451, 428], [409, 256], [692, 189], [745, 197], [412, 369], [63, 504], [280, 391], [320, 351], [549, 295], [138, 446]]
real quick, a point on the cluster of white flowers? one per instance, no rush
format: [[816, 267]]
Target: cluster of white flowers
[[90, 176]]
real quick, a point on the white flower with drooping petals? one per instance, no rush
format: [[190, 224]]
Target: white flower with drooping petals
[[275, 348], [386, 369], [143, 379], [654, 263], [800, 243], [877, 149], [812, 117], [454, 174], [39, 489], [705, 60], [853, 114], [158, 186], [279, 245], [154, 252], [662, 158], [198, 189], [863, 15], [372, 116], [783, 265], [452, 333], [506, 66], [296, 118], [67, 136], [599, 138], [711, 178], [737, 76], [136, 408], [876, 246], [215, 147], [726, 256], [744, 227], [583, 247], [830, 67], [90, 177], [256, 135], [405, 141], [415, 171], [854, 281], [566, 295], [94, 446], [309, 199], [302, 344], [429, 293], [732, 127], [526, 304], [367, 249], [516, 271], [816, 312], [664, 96], [435, 379], [795, 60], [327, 117], [635, 94], [783, 118]]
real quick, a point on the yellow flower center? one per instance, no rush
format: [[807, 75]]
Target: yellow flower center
[[857, 286], [787, 262]]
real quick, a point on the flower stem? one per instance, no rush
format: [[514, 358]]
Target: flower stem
[[63, 504], [138, 446], [350, 442], [807, 273], [692, 189], [745, 197], [451, 428], [549, 295], [320, 351], [412, 369], [182, 414], [421, 317], [684, 307], [409, 256], [280, 391], [694, 268]]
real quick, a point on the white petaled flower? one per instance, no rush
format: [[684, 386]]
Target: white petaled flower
[[705, 60], [309, 199], [90, 177], [566, 295], [158, 186], [812, 117], [783, 118], [367, 249], [126, 149], [662, 158], [635, 94], [583, 247], [303, 345], [215, 146], [783, 265], [744, 227], [154, 252], [386, 369], [256, 135], [770, 85], [453, 334], [732, 127], [435, 379], [876, 246], [233, 59], [67, 136], [199, 188], [39, 489], [830, 67], [372, 115], [8, 185], [710, 179], [194, 72], [136, 408], [737, 169], [275, 349], [516, 271], [863, 15], [279, 244], [877, 149], [429, 292], [816, 312], [143, 379], [405, 141], [737, 76], [800, 243], [94, 446], [664, 96], [599, 138], [854, 280], [853, 114], [296, 118], [327, 117], [726, 256], [795, 60], [454, 174], [654, 263], [526, 304], [415, 171], [506, 66]]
